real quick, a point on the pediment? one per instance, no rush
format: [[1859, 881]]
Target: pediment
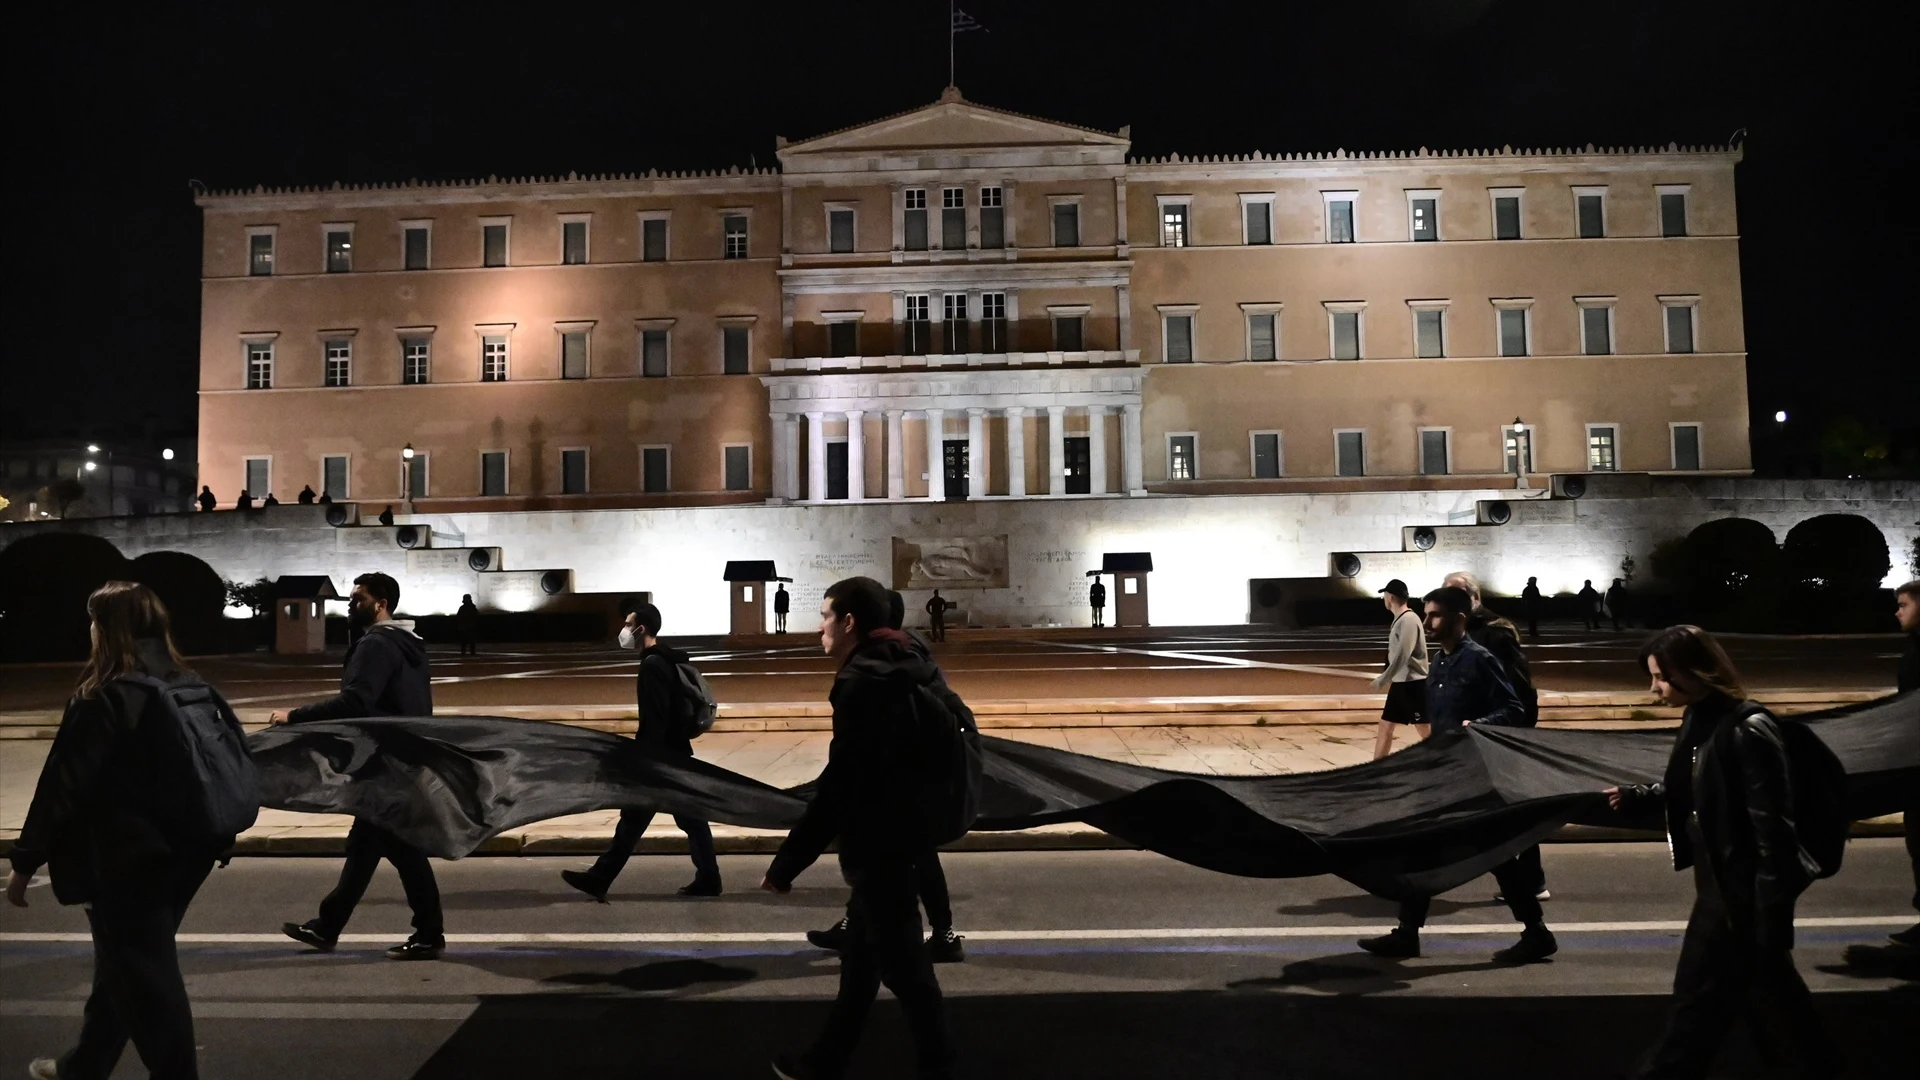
[[953, 124]]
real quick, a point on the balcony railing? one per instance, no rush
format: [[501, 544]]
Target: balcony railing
[[1087, 358]]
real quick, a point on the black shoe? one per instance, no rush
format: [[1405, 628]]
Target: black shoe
[[1910, 937], [417, 949], [793, 1067], [832, 939], [1536, 944], [310, 934], [944, 947], [586, 883], [1402, 943], [701, 887]]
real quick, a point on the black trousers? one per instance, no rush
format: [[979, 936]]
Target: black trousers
[[933, 892], [1913, 848], [1723, 975], [1516, 884], [633, 824], [883, 927], [138, 993], [367, 844], [1531, 869]]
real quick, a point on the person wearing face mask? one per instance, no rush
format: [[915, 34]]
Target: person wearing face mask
[[665, 733], [386, 675]]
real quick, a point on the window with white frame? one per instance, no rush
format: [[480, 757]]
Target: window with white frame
[[413, 475], [1506, 213], [1436, 455], [915, 223], [733, 236], [573, 471], [1344, 330], [735, 352], [573, 353], [339, 241], [653, 237], [1350, 452], [259, 477], [1176, 334], [493, 472], [1256, 219], [494, 241], [1066, 221], [993, 219], [493, 358], [1596, 324], [953, 219], [1265, 448], [655, 343], [1340, 223], [1681, 315], [1429, 329], [416, 354], [1183, 462], [1673, 208], [1173, 220], [918, 324], [573, 239], [840, 229], [416, 245], [1069, 326], [1263, 331], [737, 463], [259, 365], [953, 322], [1686, 446], [1590, 212], [1518, 444], [333, 477], [1603, 448], [655, 469], [1423, 214], [339, 361], [260, 251], [993, 322], [1513, 326]]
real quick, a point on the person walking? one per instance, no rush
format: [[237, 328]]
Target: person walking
[[1405, 675], [270, 501], [109, 820], [1465, 685], [206, 499], [386, 515], [245, 501], [1097, 597], [326, 498], [1907, 681], [306, 495], [1730, 817], [870, 804], [467, 621], [937, 613], [781, 603], [1617, 603], [665, 734], [1531, 597], [1590, 605], [386, 674]]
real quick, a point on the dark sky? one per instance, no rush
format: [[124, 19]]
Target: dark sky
[[114, 108]]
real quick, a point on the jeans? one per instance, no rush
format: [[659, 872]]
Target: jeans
[[1516, 884], [367, 844], [138, 993], [633, 824], [883, 930]]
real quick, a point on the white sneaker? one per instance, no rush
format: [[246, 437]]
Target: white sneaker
[[1543, 896], [44, 1069]]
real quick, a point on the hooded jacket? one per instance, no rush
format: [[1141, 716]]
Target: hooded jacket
[[663, 710], [865, 799], [386, 675]]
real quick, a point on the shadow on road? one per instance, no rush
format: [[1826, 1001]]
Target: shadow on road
[[1355, 975], [665, 975]]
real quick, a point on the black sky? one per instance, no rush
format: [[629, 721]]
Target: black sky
[[113, 109]]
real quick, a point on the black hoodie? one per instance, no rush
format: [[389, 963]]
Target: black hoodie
[[386, 675], [663, 730]]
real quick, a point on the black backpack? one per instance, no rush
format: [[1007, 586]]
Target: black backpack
[[1820, 819], [203, 759], [948, 794]]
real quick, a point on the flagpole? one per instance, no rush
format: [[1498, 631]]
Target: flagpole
[[950, 4]]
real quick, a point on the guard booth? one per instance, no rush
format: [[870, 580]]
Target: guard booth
[[747, 589], [1129, 595], [300, 614]]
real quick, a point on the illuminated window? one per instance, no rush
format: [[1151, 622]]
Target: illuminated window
[[733, 229], [1173, 224], [259, 365], [1519, 448], [339, 362], [260, 253], [1423, 215], [414, 356], [493, 359], [1181, 457], [1601, 449], [339, 250]]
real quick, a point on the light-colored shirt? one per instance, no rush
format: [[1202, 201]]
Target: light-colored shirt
[[1406, 650]]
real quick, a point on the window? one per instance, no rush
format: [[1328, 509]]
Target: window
[[1339, 216], [333, 477], [1423, 215], [493, 358], [953, 218], [1350, 453], [843, 338], [1343, 332], [1673, 209], [413, 476], [1434, 458], [1179, 337], [653, 469], [993, 322], [260, 253], [1069, 333], [573, 472], [734, 341], [1078, 451], [339, 249], [1513, 328], [653, 354], [259, 476], [1263, 335], [1066, 224], [259, 365], [1518, 443], [493, 243], [918, 324], [1596, 327], [1682, 323], [953, 322], [573, 242], [1173, 223], [738, 462], [733, 236], [573, 354], [1590, 211], [1506, 213], [416, 243], [840, 229], [1256, 219], [916, 220], [1686, 447], [1429, 332], [493, 472], [993, 221], [653, 239], [1266, 455], [339, 363], [1182, 463], [1602, 453], [414, 356]]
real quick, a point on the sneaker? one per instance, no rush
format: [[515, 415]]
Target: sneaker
[[1401, 944], [943, 947], [832, 939], [43, 1069], [793, 1067], [417, 949], [698, 887], [1910, 937], [586, 883], [1536, 944], [310, 934], [1545, 894]]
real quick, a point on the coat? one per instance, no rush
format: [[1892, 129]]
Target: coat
[[385, 675], [663, 712]]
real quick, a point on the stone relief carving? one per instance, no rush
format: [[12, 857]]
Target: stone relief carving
[[950, 562]]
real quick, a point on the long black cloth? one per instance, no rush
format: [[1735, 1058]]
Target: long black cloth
[[1415, 823]]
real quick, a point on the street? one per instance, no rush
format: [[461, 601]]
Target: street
[[1098, 963]]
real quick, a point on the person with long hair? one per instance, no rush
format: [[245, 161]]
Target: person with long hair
[[99, 824], [1728, 803]]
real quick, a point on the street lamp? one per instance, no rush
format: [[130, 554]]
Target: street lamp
[[1522, 453], [406, 477], [167, 454], [1780, 417]]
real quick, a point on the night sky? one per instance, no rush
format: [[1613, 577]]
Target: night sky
[[114, 109]]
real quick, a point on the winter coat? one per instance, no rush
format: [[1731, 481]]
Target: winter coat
[[663, 731], [386, 675]]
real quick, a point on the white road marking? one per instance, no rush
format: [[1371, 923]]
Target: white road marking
[[271, 1010], [1223, 661]]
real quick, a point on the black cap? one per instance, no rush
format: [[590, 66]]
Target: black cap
[[1397, 588]]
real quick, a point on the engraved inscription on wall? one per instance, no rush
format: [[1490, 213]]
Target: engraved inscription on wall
[[950, 562]]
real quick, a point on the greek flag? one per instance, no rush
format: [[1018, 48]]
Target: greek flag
[[963, 22]]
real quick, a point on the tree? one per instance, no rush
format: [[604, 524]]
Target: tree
[[254, 595], [63, 493], [1835, 563], [1729, 574]]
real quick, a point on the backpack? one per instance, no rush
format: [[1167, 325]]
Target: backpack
[[699, 697], [1821, 822], [948, 794], [203, 757]]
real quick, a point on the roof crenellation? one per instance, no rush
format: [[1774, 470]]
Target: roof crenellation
[[1342, 154]]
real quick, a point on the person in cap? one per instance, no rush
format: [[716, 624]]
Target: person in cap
[[1405, 676]]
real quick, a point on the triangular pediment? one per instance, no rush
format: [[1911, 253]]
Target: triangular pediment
[[953, 123]]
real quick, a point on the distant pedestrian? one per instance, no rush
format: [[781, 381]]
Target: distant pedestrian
[[326, 498], [386, 515], [781, 602], [386, 675], [245, 501], [270, 501], [1905, 942], [1405, 675], [1466, 685], [467, 621], [937, 613], [1590, 604], [1097, 597], [108, 820], [1530, 596], [665, 733], [206, 500], [1731, 816], [306, 495], [1617, 602]]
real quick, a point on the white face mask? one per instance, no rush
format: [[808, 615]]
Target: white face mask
[[627, 640]]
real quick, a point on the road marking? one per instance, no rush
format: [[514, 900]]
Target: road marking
[[270, 1010], [1222, 661], [754, 937]]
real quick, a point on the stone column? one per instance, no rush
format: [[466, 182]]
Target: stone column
[[856, 456], [816, 456], [976, 453], [896, 457], [1097, 448], [790, 439], [936, 455], [1017, 451], [1056, 449], [1130, 449], [1122, 296], [777, 427]]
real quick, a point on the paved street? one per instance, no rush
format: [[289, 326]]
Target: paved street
[[1081, 964]]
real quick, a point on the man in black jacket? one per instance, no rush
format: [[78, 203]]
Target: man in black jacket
[[1908, 612], [867, 803], [664, 734], [386, 675]]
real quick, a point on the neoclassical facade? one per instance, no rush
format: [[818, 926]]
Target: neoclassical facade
[[960, 302]]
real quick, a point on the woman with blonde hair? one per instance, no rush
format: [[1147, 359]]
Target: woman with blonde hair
[[109, 821]]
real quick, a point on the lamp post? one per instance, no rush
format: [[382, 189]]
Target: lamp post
[[1522, 453], [94, 448], [406, 478]]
